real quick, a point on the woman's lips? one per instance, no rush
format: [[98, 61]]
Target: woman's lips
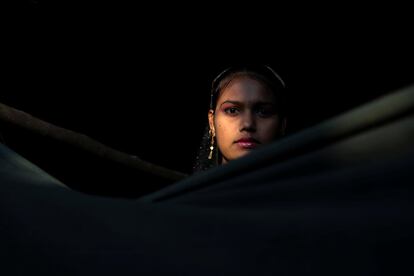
[[248, 143]]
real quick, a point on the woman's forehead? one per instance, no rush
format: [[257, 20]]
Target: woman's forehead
[[246, 89]]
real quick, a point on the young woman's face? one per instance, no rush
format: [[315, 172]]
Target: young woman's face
[[245, 118]]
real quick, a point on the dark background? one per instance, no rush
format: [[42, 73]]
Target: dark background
[[137, 78]]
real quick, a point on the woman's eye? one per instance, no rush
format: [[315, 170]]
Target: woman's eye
[[231, 110], [265, 112]]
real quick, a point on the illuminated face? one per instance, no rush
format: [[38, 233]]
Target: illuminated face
[[245, 118]]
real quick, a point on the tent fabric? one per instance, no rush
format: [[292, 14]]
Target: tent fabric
[[335, 199]]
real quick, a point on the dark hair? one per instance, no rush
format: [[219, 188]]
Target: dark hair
[[262, 73]]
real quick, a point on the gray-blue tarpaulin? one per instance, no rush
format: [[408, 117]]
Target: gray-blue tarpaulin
[[334, 199]]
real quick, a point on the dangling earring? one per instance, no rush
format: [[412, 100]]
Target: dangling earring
[[211, 144]]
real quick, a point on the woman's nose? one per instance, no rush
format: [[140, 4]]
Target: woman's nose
[[248, 122]]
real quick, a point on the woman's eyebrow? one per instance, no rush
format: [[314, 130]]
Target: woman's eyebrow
[[264, 103], [231, 102], [241, 103]]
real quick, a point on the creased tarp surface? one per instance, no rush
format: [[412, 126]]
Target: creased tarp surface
[[335, 199]]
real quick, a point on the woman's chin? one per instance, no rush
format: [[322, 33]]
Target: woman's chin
[[243, 152]]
